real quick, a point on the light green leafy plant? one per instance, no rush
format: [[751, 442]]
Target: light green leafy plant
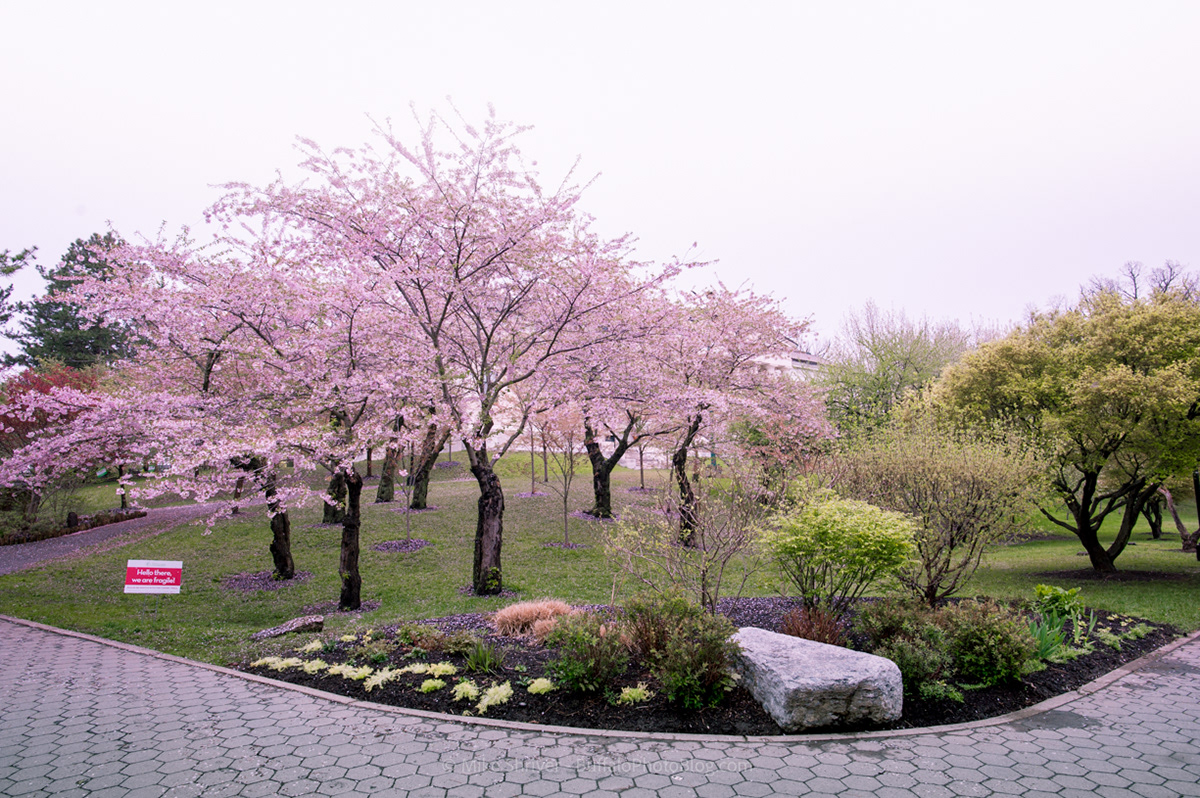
[[439, 669], [347, 671], [314, 666], [430, 685], [635, 695], [541, 686], [348, 638], [313, 647], [833, 549], [494, 696], [466, 690], [381, 677]]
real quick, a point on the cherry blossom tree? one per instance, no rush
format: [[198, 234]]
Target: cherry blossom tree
[[496, 274], [715, 354]]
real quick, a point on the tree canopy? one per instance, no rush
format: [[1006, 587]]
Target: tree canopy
[[55, 328], [881, 356], [1112, 387]]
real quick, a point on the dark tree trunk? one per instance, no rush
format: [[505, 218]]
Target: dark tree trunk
[[602, 468], [369, 474], [124, 497], [351, 597], [335, 510], [386, 491], [687, 495], [1135, 501], [237, 494], [1152, 511], [486, 575], [281, 526], [430, 449], [281, 532]]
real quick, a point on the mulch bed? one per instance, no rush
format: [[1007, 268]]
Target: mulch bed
[[740, 714], [401, 546], [262, 580], [331, 608]]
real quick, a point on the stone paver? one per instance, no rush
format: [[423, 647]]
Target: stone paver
[[85, 717]]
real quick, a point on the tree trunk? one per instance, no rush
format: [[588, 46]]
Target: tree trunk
[[641, 467], [430, 449], [281, 535], [602, 468], [1134, 503], [386, 491], [124, 497], [1188, 540], [687, 496], [485, 575], [1152, 512], [369, 474], [351, 597], [335, 510], [1085, 530], [237, 494], [281, 526]]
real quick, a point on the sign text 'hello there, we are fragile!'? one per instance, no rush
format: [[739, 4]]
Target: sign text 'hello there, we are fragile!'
[[153, 576]]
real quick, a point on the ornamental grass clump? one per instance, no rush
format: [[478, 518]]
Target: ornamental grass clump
[[519, 618]]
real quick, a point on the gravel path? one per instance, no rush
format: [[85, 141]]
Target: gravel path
[[156, 521]]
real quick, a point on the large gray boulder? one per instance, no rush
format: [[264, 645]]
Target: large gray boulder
[[807, 685]]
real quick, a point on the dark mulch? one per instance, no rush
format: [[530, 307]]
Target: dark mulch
[[589, 517], [401, 546], [262, 580], [525, 660], [331, 607], [469, 590]]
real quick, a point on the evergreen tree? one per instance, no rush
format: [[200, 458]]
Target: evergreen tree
[[55, 330]]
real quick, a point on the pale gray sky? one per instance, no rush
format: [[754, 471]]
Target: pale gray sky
[[962, 160]]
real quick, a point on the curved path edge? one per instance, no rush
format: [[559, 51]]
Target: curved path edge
[[1030, 712]]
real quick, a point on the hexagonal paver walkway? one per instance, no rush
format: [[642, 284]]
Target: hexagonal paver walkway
[[81, 716]]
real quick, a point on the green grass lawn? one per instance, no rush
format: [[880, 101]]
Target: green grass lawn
[[210, 623]]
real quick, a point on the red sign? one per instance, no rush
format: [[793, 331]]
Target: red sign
[[153, 576]]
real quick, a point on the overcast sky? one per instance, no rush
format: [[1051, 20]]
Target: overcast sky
[[954, 160]]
